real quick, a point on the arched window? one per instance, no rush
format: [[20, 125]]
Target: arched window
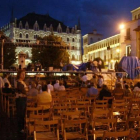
[[67, 39], [35, 36], [20, 35], [27, 36], [72, 47], [73, 40]]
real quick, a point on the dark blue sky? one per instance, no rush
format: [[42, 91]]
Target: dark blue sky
[[103, 15]]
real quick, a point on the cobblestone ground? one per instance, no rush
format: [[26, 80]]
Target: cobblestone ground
[[8, 128]]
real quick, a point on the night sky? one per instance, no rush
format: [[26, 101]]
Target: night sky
[[102, 15]]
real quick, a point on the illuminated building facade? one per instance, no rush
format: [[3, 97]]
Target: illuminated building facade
[[112, 49], [31, 26]]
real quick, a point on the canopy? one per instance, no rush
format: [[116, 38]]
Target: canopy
[[80, 67], [131, 65]]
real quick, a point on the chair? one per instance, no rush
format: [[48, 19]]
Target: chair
[[11, 105], [101, 104], [50, 131], [33, 118], [31, 101], [79, 128], [71, 115], [116, 135], [100, 125]]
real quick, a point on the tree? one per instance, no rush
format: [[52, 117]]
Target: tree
[[50, 52], [9, 55]]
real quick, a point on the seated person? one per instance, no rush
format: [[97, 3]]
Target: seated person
[[6, 89], [44, 98], [105, 93], [127, 91], [61, 87], [100, 81], [50, 86], [92, 90], [32, 92], [118, 90], [56, 85]]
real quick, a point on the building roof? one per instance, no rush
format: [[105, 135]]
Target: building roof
[[31, 18], [96, 34]]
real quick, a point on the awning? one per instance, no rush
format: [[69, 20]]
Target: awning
[[137, 29]]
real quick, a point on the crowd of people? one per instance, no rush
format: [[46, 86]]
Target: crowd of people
[[42, 91], [94, 65]]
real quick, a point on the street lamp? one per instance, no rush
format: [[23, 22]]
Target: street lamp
[[122, 26]]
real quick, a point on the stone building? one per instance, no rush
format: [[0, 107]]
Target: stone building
[[26, 30], [112, 49]]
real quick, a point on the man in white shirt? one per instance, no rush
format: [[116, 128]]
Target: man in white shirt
[[50, 87], [84, 78], [56, 85]]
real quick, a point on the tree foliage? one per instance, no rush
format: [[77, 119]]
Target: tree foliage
[[51, 53], [9, 55]]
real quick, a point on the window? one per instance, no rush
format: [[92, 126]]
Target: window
[[67, 39], [27, 36], [91, 40], [35, 36], [20, 35], [72, 47], [73, 40], [128, 34]]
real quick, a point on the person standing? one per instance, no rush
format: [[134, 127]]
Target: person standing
[[21, 99], [100, 65]]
